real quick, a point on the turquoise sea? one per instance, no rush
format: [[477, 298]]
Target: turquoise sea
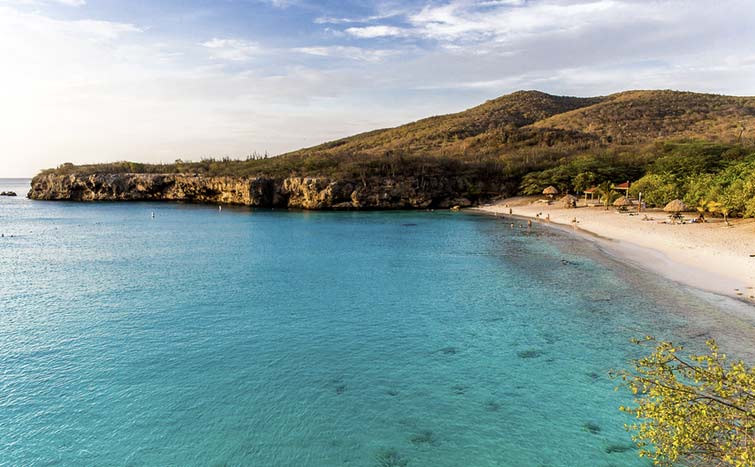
[[264, 338]]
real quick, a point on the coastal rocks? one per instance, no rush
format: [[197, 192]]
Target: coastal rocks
[[292, 192], [8, 193], [151, 187]]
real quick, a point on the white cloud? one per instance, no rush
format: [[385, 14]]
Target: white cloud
[[505, 21], [353, 53], [236, 50], [369, 32]]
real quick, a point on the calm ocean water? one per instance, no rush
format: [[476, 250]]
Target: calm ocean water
[[271, 338]]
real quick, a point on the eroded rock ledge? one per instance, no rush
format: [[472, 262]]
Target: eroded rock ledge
[[292, 192]]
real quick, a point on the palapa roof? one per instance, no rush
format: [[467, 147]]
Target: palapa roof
[[623, 201], [569, 200], [676, 206], [621, 186], [551, 190]]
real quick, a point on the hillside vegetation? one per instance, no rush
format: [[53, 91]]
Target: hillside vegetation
[[527, 139], [637, 116]]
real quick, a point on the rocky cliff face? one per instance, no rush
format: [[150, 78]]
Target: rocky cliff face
[[292, 192]]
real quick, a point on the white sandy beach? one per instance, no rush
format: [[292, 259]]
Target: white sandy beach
[[708, 256]]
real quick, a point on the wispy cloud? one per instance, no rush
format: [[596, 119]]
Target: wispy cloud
[[501, 21], [352, 53], [71, 2], [364, 19], [282, 3], [235, 50]]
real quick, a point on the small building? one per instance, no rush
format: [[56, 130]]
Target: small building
[[623, 187], [591, 192], [620, 187]]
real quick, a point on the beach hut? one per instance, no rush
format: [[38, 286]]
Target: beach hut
[[623, 187], [591, 192], [569, 201], [623, 203], [550, 192]]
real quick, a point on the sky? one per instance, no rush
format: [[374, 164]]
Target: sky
[[147, 80]]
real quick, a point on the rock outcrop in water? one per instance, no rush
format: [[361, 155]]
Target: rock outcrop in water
[[293, 192]]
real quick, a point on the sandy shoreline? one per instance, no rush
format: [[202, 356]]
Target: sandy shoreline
[[708, 256]]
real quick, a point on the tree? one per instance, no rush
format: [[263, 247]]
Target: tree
[[698, 410], [656, 189], [703, 206], [721, 207], [607, 194], [584, 181]]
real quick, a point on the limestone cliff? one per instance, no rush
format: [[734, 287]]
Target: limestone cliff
[[292, 192]]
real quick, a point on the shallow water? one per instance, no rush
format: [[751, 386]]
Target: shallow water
[[272, 338]]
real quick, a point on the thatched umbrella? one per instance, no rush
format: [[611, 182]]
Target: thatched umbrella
[[569, 201], [676, 207], [550, 191], [623, 202]]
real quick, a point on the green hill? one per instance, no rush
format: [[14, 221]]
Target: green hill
[[637, 116], [507, 138], [454, 133]]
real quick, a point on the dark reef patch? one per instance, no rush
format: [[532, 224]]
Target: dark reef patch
[[618, 448], [530, 353], [591, 427], [492, 406], [424, 437], [390, 458]]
